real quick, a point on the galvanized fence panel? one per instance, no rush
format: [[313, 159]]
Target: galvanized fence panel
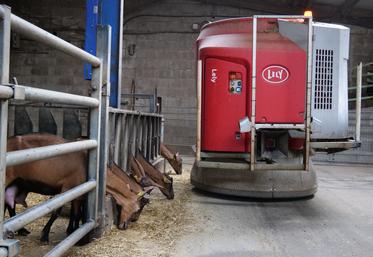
[[95, 186], [5, 28], [133, 131]]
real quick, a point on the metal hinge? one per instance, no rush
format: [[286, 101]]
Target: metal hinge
[[9, 247], [104, 91]]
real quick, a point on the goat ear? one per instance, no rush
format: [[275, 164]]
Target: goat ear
[[178, 157], [166, 180]]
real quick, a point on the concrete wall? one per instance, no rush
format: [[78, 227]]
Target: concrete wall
[[159, 52], [361, 47], [165, 59], [35, 64]]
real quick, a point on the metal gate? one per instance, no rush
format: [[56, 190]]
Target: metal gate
[[131, 131], [98, 104]]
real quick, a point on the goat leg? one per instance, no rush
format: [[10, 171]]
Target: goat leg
[[70, 227], [12, 213], [47, 228], [75, 216]]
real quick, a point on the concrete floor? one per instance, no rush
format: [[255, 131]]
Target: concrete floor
[[338, 221]]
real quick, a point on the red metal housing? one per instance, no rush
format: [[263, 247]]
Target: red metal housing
[[225, 48]]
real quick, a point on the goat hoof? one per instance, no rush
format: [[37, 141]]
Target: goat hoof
[[9, 234], [23, 232], [123, 226], [44, 240], [69, 231]]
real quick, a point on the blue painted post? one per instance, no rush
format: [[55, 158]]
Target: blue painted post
[[106, 12], [90, 34], [110, 14]]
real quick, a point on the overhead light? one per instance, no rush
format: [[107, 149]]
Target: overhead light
[[308, 13]]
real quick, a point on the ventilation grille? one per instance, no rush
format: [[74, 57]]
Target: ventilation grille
[[324, 79]]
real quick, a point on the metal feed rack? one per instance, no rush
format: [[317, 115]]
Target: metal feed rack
[[131, 131], [95, 185]]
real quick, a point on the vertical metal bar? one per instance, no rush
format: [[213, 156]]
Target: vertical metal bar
[[155, 140], [4, 73], [127, 128], [143, 143], [145, 135], [133, 134], [94, 133], [199, 111], [138, 132], [111, 129], [150, 142], [253, 96], [158, 120], [150, 138], [122, 150], [306, 158], [103, 52], [131, 138], [139, 143], [118, 129], [359, 79], [152, 104], [162, 129], [120, 138]]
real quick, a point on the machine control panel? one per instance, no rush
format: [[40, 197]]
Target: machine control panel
[[235, 82]]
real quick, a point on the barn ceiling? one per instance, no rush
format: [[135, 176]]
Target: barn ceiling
[[355, 12]]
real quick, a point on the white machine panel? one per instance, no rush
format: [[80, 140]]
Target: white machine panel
[[330, 84], [329, 109]]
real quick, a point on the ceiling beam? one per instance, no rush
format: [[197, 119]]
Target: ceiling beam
[[347, 7], [131, 7], [321, 12]]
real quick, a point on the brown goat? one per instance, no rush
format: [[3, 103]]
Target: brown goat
[[173, 158], [164, 180], [59, 174], [133, 185], [139, 175], [50, 176], [131, 204], [142, 193]]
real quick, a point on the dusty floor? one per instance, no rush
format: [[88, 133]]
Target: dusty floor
[[337, 222]]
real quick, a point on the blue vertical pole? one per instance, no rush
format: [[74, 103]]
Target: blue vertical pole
[[108, 13], [90, 34]]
